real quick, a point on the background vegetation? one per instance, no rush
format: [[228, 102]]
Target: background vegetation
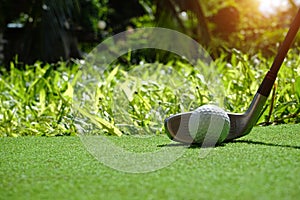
[[40, 39], [38, 100], [51, 30]]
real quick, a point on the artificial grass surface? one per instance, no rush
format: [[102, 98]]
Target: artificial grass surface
[[262, 165]]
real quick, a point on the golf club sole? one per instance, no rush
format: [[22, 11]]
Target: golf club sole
[[240, 124]]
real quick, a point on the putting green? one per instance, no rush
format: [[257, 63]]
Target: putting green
[[262, 165]]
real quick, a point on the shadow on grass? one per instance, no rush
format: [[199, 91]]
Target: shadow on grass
[[192, 146], [264, 143], [174, 145]]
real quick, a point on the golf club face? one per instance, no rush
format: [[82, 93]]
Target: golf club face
[[240, 124], [177, 128]]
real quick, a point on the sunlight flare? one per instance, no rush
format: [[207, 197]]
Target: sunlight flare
[[271, 6]]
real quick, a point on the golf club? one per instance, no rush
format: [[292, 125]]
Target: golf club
[[240, 124]]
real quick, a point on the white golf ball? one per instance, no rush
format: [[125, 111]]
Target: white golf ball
[[209, 125]]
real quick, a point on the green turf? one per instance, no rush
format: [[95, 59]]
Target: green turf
[[263, 165]]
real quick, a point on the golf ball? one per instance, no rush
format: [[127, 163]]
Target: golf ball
[[209, 125]]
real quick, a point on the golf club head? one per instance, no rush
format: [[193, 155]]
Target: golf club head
[[177, 126]]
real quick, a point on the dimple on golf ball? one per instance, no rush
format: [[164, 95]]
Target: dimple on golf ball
[[209, 125]]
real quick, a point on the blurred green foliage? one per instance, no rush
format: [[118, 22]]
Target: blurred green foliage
[[35, 99], [51, 30], [38, 101]]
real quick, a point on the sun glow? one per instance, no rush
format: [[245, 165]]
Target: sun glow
[[268, 7]]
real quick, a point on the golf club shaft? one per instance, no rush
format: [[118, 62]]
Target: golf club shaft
[[268, 82]]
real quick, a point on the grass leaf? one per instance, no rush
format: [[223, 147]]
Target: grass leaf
[[101, 123], [297, 88]]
